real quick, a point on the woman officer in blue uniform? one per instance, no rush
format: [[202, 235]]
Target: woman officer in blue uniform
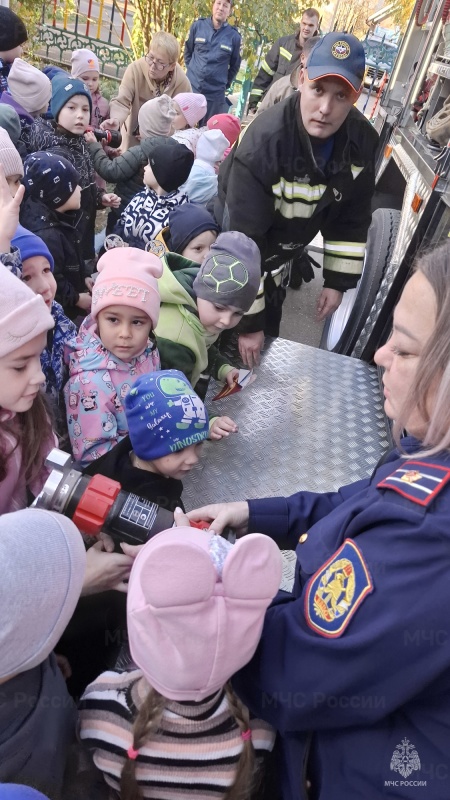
[[353, 668]]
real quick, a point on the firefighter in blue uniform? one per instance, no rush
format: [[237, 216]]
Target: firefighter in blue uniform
[[353, 668], [212, 54]]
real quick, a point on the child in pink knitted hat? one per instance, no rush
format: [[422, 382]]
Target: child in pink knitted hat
[[85, 66], [113, 346], [173, 726], [190, 108]]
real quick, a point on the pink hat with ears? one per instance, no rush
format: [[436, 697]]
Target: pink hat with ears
[[128, 277], [193, 106], [196, 606]]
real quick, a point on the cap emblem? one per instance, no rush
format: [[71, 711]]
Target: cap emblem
[[340, 50]]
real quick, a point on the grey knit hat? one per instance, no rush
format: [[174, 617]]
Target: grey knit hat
[[231, 273], [29, 86], [10, 121], [40, 586]]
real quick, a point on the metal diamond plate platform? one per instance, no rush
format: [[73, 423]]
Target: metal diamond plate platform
[[311, 420]]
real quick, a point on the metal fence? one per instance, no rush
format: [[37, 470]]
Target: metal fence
[[102, 26]]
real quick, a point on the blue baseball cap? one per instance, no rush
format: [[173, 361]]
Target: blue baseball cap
[[339, 55]]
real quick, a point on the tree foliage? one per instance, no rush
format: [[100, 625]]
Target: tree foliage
[[260, 21], [402, 13], [30, 12], [352, 16]]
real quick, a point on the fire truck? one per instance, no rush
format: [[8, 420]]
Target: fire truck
[[411, 205]]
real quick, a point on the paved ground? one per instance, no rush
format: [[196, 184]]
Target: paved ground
[[299, 323]]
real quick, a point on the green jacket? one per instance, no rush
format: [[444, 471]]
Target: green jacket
[[183, 342]]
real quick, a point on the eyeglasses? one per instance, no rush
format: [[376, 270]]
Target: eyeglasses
[[154, 62]]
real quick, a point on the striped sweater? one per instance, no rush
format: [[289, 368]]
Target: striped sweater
[[194, 754]]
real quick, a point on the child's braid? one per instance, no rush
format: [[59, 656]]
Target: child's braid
[[146, 723]]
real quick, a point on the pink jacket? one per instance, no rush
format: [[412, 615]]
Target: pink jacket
[[100, 109], [13, 490], [98, 382]]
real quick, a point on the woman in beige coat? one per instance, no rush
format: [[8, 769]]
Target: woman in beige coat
[[156, 74]]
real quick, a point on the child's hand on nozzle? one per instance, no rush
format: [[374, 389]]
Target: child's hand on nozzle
[[111, 200], [90, 137], [222, 426], [231, 377], [9, 211], [105, 571]]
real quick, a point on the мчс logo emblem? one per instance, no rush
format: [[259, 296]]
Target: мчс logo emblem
[[405, 759], [340, 50]]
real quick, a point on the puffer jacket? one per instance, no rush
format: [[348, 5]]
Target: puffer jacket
[[63, 236], [183, 342], [126, 170], [98, 382], [48, 136]]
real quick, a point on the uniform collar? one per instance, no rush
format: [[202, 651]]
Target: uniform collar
[[344, 142], [224, 24]]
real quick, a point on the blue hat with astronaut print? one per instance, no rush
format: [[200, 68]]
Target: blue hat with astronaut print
[[164, 414]]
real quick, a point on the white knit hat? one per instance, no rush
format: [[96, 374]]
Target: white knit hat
[[23, 314], [192, 105], [9, 157], [82, 61], [211, 146], [39, 589], [29, 86]]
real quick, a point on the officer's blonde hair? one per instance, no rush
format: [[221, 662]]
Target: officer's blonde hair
[[433, 369], [168, 43]]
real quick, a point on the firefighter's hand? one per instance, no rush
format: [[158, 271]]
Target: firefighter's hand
[[250, 346], [329, 300], [219, 516]]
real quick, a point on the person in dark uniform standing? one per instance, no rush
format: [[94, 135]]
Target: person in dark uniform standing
[[306, 165], [212, 54], [283, 57], [353, 667]]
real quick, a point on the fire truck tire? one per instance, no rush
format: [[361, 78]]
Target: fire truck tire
[[341, 331]]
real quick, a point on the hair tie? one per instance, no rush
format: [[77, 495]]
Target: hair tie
[[247, 735], [132, 753]]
